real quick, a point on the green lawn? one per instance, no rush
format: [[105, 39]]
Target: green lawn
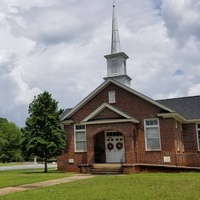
[[20, 177], [143, 186]]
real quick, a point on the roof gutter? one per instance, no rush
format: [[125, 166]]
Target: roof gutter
[[174, 115]]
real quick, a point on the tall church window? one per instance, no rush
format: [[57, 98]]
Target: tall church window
[[152, 134], [80, 138]]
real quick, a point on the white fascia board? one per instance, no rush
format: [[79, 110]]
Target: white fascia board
[[67, 122], [192, 121], [102, 107], [179, 118], [172, 115], [102, 86], [110, 121]]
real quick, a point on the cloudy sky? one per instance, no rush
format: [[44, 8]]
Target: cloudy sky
[[58, 46]]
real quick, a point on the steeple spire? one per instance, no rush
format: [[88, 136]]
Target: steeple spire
[[115, 45], [116, 61]]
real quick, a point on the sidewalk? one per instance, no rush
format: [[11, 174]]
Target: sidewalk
[[9, 190]]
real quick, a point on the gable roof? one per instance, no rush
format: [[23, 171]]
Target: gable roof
[[188, 107], [101, 87], [106, 105]]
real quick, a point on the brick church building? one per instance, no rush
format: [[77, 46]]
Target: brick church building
[[117, 125]]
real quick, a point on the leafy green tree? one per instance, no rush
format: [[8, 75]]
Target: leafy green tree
[[10, 141], [43, 134]]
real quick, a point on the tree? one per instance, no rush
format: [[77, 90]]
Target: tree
[[10, 141], [43, 134]]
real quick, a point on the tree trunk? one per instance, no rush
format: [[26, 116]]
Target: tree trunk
[[45, 163]]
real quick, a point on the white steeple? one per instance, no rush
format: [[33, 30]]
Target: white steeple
[[115, 45], [116, 61]]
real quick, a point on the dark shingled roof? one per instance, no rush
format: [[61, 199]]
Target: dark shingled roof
[[188, 107], [65, 112]]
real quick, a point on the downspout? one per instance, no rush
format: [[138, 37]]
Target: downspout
[[135, 134], [177, 141]]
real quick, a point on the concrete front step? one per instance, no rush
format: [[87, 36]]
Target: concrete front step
[[106, 169], [104, 172], [107, 165]]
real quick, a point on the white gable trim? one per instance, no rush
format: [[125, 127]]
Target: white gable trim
[[111, 121], [102, 86], [106, 105], [67, 122]]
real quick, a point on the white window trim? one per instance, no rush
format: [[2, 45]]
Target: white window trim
[[197, 131], [146, 133], [75, 131]]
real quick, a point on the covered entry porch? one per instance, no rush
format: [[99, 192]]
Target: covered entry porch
[[109, 147]]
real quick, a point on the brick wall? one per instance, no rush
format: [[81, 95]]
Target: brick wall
[[190, 137], [125, 101], [107, 114], [171, 134]]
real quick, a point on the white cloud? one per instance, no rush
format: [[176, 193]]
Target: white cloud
[[194, 90], [54, 24], [182, 19], [58, 46], [14, 92]]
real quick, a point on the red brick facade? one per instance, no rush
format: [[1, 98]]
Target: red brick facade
[[177, 139]]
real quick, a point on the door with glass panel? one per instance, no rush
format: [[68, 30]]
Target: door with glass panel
[[114, 144]]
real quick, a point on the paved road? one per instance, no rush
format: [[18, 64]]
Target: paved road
[[29, 166]]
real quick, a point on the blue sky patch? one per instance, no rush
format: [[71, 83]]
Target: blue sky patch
[[179, 72]]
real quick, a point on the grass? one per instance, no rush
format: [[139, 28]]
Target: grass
[[20, 177], [144, 186]]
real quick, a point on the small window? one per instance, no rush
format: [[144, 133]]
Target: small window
[[80, 138], [152, 135], [80, 127], [111, 97], [108, 134], [151, 122]]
